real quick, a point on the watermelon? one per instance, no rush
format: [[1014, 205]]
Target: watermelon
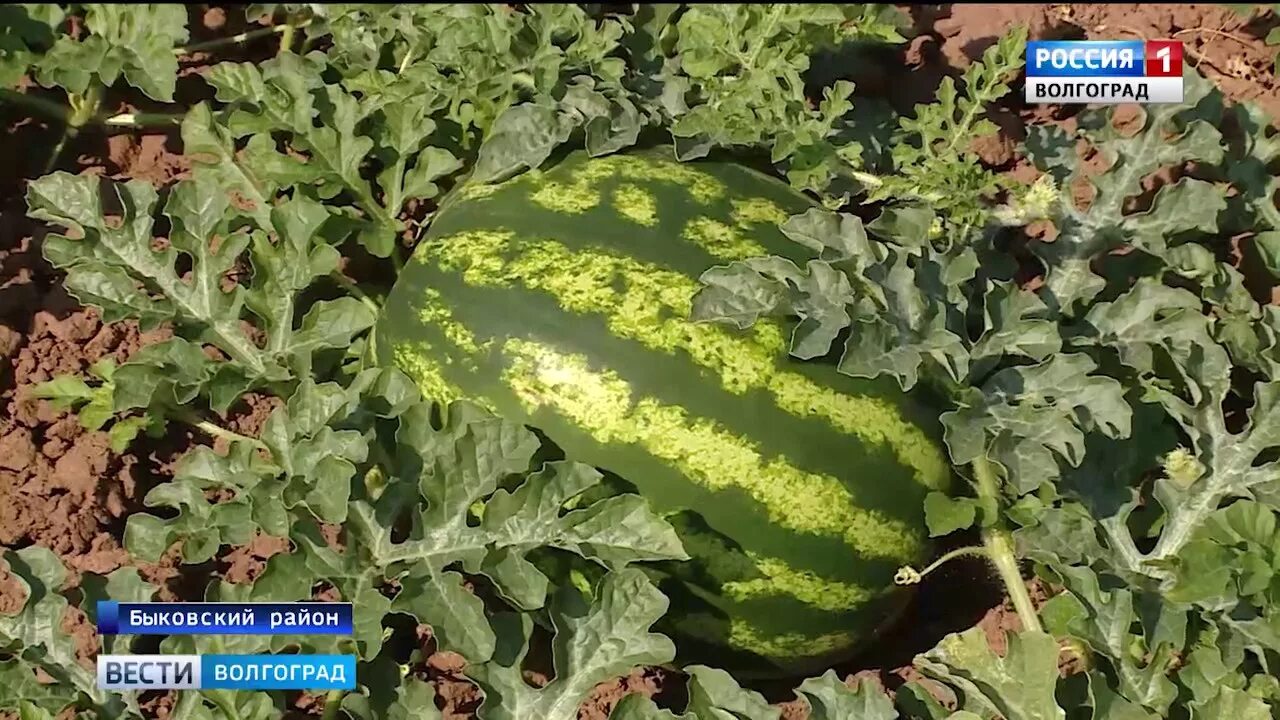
[[561, 298]]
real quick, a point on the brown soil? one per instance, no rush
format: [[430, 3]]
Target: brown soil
[[12, 595], [61, 487], [245, 563]]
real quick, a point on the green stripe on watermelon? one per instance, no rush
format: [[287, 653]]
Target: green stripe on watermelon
[[561, 299]]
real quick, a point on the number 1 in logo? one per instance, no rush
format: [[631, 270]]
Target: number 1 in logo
[[1164, 58]]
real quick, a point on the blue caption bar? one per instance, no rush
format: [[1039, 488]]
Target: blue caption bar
[[209, 618], [278, 672], [1086, 58], [226, 672]]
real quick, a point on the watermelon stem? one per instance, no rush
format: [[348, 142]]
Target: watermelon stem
[[908, 575], [999, 547], [237, 39], [355, 290], [286, 38], [213, 430]]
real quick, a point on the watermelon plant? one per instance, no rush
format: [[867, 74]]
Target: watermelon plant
[[604, 337]]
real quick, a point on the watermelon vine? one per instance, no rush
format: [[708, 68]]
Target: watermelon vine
[[592, 334]]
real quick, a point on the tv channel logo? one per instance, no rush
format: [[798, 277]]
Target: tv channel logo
[[1105, 72]]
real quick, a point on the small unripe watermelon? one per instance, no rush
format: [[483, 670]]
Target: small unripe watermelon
[[561, 299]]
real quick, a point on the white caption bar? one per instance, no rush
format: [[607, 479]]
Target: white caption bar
[[1104, 91]]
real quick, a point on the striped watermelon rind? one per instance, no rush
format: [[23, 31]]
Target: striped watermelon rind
[[561, 298]]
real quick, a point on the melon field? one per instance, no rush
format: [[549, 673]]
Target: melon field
[[642, 362]]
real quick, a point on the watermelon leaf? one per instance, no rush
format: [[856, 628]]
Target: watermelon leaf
[[638, 707], [310, 469], [202, 526], [909, 328], [35, 634], [522, 138], [22, 691], [1018, 686], [462, 465], [122, 585], [414, 700], [130, 41], [1027, 418], [1103, 226], [933, 159], [287, 94], [1016, 324], [744, 291], [310, 475], [1248, 161], [1233, 703], [712, 76], [593, 643], [30, 29], [1192, 395], [1102, 616], [255, 174], [714, 694], [946, 515], [109, 260], [831, 699]]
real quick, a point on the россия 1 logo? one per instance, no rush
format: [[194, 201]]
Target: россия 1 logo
[[1106, 72]]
